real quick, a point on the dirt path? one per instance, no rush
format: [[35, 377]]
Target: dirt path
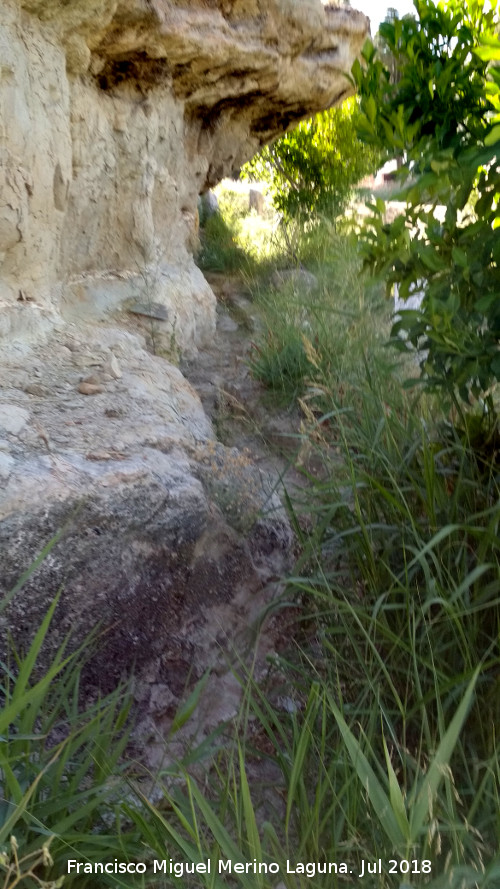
[[233, 400]]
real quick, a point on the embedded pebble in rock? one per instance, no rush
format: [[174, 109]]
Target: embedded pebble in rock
[[226, 323], [36, 389], [161, 699], [92, 380], [86, 388], [85, 359], [112, 367], [99, 455]]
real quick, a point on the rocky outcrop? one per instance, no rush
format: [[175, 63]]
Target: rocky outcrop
[[115, 115], [163, 540]]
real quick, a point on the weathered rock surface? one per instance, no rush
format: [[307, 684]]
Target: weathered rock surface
[[115, 115], [170, 542]]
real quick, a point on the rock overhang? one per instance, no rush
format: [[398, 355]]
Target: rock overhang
[[287, 53], [114, 115], [119, 113]]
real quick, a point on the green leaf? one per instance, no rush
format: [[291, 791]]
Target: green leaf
[[304, 741], [495, 366], [460, 257], [488, 53], [493, 136], [439, 166], [431, 259], [487, 302], [370, 109]]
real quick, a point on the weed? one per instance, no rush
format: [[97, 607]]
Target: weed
[[387, 748], [219, 250], [59, 769], [17, 870]]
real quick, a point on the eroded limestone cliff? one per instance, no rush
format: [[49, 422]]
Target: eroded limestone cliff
[[114, 116]]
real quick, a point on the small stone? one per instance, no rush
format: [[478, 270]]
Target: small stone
[[208, 205], [256, 201], [112, 367], [98, 455], [226, 324], [86, 360], [299, 279], [36, 389], [86, 388]]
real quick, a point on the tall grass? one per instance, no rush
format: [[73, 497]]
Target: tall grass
[[402, 571], [373, 745], [377, 736], [317, 340], [61, 769]]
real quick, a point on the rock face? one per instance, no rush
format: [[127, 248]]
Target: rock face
[[114, 116], [170, 543]]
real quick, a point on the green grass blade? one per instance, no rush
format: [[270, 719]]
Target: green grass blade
[[228, 847], [378, 798], [29, 571], [31, 697], [426, 794], [253, 838], [189, 706], [20, 809], [396, 797], [300, 753], [28, 662]]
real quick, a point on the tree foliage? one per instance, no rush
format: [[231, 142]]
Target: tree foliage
[[443, 117], [313, 169]]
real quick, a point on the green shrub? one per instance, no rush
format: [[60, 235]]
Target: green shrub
[[442, 117], [313, 169]]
